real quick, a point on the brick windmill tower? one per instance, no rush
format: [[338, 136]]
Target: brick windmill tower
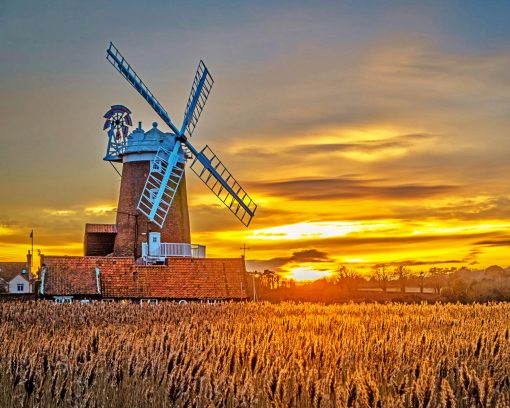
[[152, 214]]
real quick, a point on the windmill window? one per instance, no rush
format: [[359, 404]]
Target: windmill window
[[154, 239], [21, 287]]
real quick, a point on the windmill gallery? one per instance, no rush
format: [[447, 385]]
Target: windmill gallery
[[147, 255]]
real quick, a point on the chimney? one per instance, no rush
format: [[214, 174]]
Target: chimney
[[29, 261]]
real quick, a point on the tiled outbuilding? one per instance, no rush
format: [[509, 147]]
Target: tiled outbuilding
[[121, 278]]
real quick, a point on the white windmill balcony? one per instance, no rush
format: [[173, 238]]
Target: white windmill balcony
[[158, 253]]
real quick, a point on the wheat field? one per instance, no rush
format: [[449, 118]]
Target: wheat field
[[254, 355]]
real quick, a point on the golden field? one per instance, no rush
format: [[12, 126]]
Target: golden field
[[254, 355]]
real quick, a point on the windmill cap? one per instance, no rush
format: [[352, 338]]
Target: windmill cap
[[154, 135], [143, 146]]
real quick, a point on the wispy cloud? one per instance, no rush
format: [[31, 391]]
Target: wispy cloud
[[495, 242], [60, 213], [297, 258], [100, 210], [349, 188]]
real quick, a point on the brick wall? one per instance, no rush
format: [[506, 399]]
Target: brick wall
[[130, 226], [98, 244]]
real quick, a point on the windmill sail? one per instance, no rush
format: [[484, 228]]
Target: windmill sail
[[209, 168], [161, 185], [115, 58], [202, 84]]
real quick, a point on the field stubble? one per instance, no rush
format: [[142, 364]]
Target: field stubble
[[254, 355]]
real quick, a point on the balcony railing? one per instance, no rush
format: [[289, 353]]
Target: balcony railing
[[169, 249]]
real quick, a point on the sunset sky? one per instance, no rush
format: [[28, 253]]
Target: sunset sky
[[366, 131]]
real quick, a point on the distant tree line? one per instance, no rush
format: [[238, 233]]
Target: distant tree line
[[388, 282]]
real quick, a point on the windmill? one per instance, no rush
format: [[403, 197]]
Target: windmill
[[159, 160], [118, 120]]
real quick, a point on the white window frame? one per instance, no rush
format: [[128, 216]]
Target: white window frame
[[63, 299]]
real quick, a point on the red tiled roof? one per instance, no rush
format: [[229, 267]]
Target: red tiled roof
[[9, 270], [182, 278], [70, 275], [101, 228]]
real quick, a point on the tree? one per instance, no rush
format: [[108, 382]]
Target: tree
[[270, 279], [381, 274], [4, 286], [439, 277], [347, 278], [340, 274], [402, 272]]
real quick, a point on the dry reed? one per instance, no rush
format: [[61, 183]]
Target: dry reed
[[254, 355]]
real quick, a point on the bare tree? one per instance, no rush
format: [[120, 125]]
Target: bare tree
[[347, 277], [381, 274], [402, 272], [270, 279], [422, 278], [439, 277]]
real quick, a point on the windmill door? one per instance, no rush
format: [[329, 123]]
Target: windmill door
[[154, 243]]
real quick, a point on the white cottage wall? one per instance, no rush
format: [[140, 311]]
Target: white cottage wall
[[24, 285]]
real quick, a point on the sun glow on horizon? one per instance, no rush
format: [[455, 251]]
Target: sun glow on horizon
[[312, 230], [306, 273]]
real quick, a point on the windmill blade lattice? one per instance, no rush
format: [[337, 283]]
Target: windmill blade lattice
[[209, 168], [202, 85]]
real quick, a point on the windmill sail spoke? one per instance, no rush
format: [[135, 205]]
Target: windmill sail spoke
[[161, 185], [115, 58], [208, 167], [202, 84]]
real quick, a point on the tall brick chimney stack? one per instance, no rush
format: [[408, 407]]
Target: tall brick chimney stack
[[133, 227]]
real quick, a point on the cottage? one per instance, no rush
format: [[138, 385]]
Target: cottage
[[15, 278]]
